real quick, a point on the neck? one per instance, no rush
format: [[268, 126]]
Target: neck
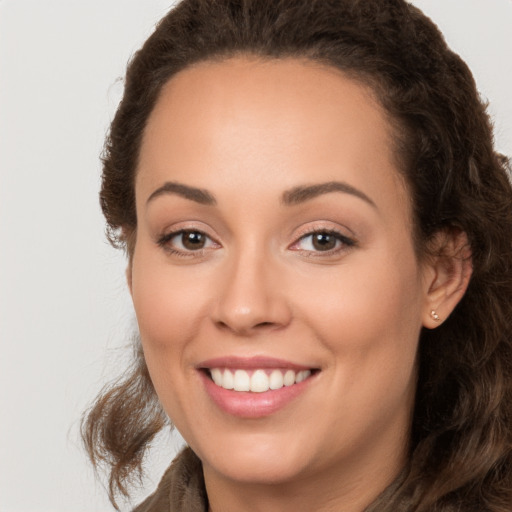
[[346, 490]]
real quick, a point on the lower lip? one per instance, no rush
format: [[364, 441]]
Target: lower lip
[[253, 405]]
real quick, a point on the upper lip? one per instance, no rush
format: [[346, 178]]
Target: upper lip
[[251, 363]]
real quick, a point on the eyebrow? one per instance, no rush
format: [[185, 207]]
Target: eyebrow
[[198, 195], [290, 197], [301, 194]]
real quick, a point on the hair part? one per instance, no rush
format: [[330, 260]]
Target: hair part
[[461, 450]]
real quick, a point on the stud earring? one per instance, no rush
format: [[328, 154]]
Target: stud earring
[[435, 316]]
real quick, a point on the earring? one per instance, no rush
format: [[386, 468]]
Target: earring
[[435, 316]]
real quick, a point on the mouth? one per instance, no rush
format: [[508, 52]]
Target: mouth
[[255, 387], [258, 380]]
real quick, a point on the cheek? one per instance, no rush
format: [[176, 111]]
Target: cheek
[[368, 313], [168, 309], [372, 333], [168, 303], [368, 292]]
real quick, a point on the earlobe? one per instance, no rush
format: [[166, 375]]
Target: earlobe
[[448, 275]]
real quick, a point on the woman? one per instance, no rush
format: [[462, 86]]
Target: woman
[[319, 237]]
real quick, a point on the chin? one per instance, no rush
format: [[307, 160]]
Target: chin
[[255, 460]]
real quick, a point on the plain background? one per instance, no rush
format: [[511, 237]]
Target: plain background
[[65, 314]]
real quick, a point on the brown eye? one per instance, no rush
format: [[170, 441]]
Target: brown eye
[[330, 242], [324, 241], [193, 240], [187, 242]]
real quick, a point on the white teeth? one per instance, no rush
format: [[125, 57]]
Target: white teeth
[[289, 378], [276, 380], [242, 381], [259, 382], [217, 376], [228, 381], [303, 375]]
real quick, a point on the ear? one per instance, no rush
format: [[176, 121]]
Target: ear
[[447, 273]]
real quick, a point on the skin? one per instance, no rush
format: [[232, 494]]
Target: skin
[[246, 131]]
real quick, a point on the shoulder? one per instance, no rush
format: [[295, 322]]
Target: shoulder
[[181, 489]]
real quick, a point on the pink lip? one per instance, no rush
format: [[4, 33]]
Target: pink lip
[[247, 404], [251, 363]]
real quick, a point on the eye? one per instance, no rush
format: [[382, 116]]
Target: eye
[[186, 241], [322, 241], [190, 240]]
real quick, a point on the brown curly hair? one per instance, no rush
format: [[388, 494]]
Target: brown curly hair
[[461, 447]]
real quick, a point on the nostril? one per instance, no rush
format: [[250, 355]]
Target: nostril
[[245, 329], [264, 324], [222, 325]]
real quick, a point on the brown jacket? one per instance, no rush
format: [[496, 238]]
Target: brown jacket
[[181, 488]]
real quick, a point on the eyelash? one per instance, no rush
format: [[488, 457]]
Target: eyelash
[[164, 242], [345, 243]]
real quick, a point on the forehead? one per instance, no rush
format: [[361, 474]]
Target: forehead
[[268, 94], [223, 122]]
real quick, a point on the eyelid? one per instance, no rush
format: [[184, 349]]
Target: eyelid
[[323, 226], [179, 227], [348, 241], [164, 238], [173, 234]]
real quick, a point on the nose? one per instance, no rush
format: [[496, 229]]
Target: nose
[[251, 298]]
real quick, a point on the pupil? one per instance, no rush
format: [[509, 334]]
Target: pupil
[[193, 240], [324, 241]]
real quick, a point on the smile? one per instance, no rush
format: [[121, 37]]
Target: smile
[[257, 381], [255, 387]]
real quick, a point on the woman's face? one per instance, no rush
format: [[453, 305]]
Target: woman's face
[[274, 254]]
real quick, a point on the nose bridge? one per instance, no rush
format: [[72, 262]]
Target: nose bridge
[[249, 298]]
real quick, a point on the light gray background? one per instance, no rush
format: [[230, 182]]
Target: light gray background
[[65, 314]]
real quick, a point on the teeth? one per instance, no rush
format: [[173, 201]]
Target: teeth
[[228, 381], [303, 375], [217, 376], [242, 381], [276, 380], [289, 378], [259, 381]]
